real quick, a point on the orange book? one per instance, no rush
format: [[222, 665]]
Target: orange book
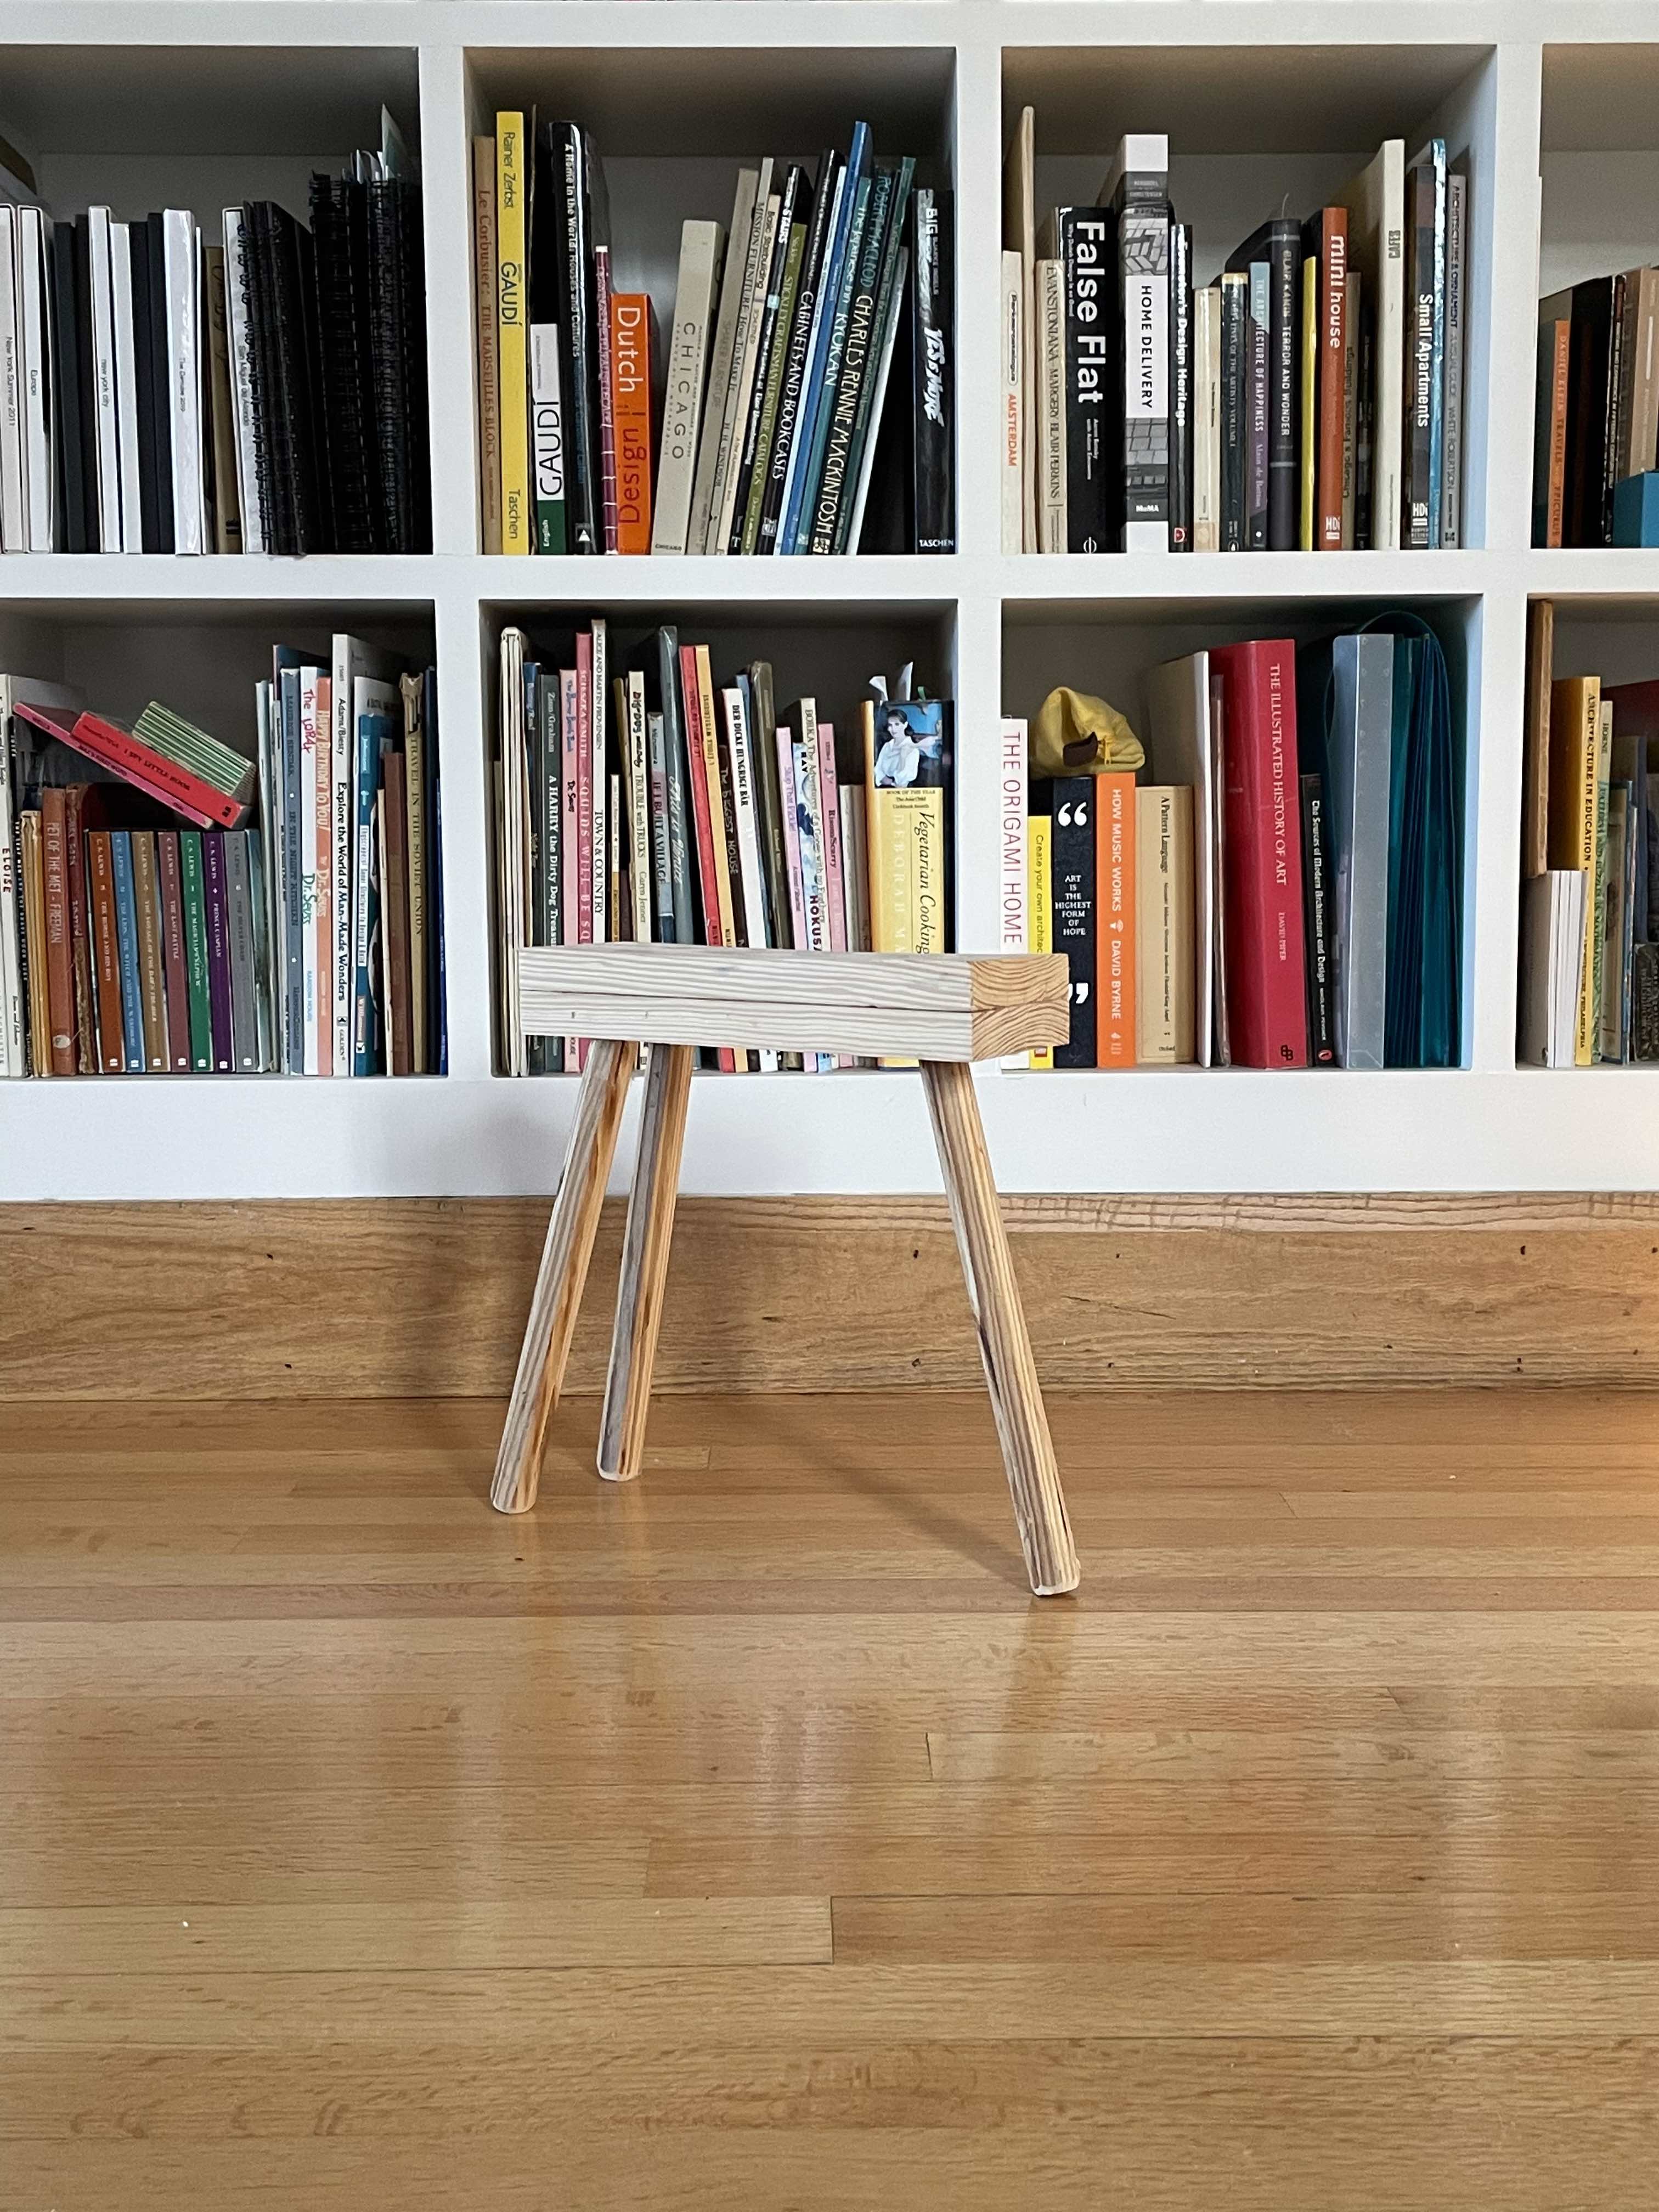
[[630, 415], [1115, 910]]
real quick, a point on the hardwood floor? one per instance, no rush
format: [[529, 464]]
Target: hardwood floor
[[748, 1837]]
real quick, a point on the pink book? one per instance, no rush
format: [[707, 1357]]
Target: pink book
[[569, 888], [611, 522]]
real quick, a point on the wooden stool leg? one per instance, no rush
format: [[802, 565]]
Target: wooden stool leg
[[1010, 1373], [565, 1255], [645, 1261]]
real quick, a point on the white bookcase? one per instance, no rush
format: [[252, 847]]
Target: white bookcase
[[149, 102]]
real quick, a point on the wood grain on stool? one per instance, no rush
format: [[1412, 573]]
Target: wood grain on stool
[[561, 1275], [1010, 1373], [645, 1260]]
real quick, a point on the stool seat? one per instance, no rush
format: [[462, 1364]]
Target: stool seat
[[940, 1012]]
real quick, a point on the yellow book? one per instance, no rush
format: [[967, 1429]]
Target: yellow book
[[511, 320], [1309, 395], [905, 828], [1039, 903], [1575, 747]]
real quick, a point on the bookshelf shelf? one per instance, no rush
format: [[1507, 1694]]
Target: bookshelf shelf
[[1260, 97]]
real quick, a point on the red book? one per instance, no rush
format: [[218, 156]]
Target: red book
[[1115, 921], [1267, 1000], [172, 948], [60, 962], [630, 415], [584, 787], [140, 765], [105, 954], [1331, 225]]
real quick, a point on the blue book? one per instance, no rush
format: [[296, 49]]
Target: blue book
[[855, 172], [869, 216], [1636, 510], [126, 942], [373, 732], [294, 956]]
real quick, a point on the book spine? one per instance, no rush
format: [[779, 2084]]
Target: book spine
[[933, 307], [155, 775], [173, 949], [1115, 901], [1420, 324], [717, 786], [1266, 1003], [1180, 387], [1085, 239], [870, 197], [829, 805], [1451, 508], [417, 741], [1074, 876], [126, 940], [484, 265], [878, 256], [1050, 281], [1257, 370], [1165, 979], [605, 332], [571, 901], [184, 359], [147, 917], [244, 996], [1322, 1023], [1009, 464], [642, 869], [598, 700], [1332, 357], [683, 399], [705, 485], [1143, 272], [1235, 289], [365, 895], [702, 816], [1013, 924], [791, 803], [75, 861], [774, 308], [59, 959], [630, 410], [1351, 408], [518, 532], [1306, 532], [851, 185], [216, 888], [39, 485], [395, 917], [734, 424], [1039, 832], [761, 479], [1285, 278], [547, 438], [1207, 421], [13, 517], [193, 890], [662, 866], [798, 349], [314, 839], [106, 953]]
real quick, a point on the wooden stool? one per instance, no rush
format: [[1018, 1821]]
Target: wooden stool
[[942, 1011]]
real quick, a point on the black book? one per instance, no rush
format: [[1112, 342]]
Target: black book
[[1589, 363], [1074, 873], [276, 521], [688, 915], [798, 345], [1279, 244], [144, 392], [1322, 1025], [1418, 433], [412, 352], [1258, 324], [576, 170], [835, 488], [1180, 387], [1235, 430], [349, 469], [88, 372], [288, 295], [71, 459], [398, 363], [932, 318], [794, 202], [1080, 239]]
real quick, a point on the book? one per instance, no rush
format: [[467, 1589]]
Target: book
[[173, 957], [57, 958], [751, 305], [1074, 927], [1451, 481], [1574, 731], [126, 942], [1353, 683], [1180, 387], [700, 246], [1039, 890], [243, 988], [604, 335], [1165, 964], [1075, 240], [1615, 911], [1266, 1014], [1535, 745], [630, 409], [106, 945], [1014, 909], [1234, 412], [1206, 419], [1550, 430], [417, 739], [1424, 431], [933, 396], [737, 266], [485, 315], [146, 919], [1011, 449], [907, 792], [1308, 405], [1376, 203], [518, 523], [1552, 958], [1137, 191], [1116, 808], [773, 309], [1636, 510], [1019, 238], [1182, 751], [1257, 336], [1320, 1011], [1276, 247], [1326, 241], [784, 452]]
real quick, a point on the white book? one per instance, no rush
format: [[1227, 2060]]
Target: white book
[[1013, 905], [728, 456], [126, 385], [242, 387], [546, 422], [740, 748], [106, 436], [1013, 405], [1206, 419], [34, 230], [1375, 201], [640, 880], [13, 1058], [181, 258], [1051, 406], [884, 365], [720, 362], [14, 513], [1554, 912], [360, 681], [1182, 752], [601, 781], [315, 812], [1019, 238], [688, 362], [766, 233]]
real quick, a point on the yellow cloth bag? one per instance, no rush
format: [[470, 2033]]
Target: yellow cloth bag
[[1075, 734]]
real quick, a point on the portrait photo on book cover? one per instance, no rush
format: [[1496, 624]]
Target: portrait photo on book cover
[[912, 749]]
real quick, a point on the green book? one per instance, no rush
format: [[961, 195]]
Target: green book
[[196, 950]]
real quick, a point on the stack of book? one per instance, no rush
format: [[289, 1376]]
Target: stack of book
[[809, 377], [650, 796], [1284, 888], [169, 904], [1311, 396], [1589, 865], [263, 395], [1597, 426]]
